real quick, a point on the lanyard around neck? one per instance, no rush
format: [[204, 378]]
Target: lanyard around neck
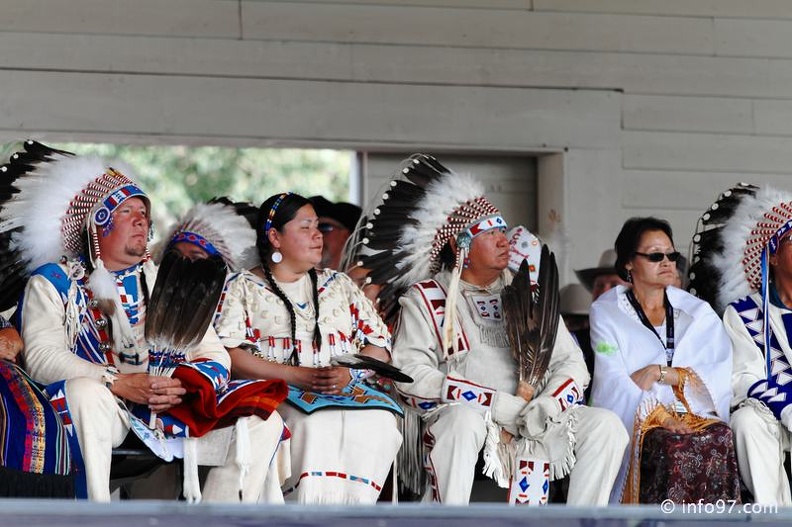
[[669, 313]]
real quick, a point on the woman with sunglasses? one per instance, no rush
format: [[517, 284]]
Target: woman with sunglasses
[[663, 363]]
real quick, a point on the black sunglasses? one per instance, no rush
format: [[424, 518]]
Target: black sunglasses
[[658, 257], [325, 227]]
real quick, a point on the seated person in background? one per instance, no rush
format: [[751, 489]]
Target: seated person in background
[[575, 303], [35, 461], [602, 278], [359, 275], [663, 355], [336, 223], [213, 230], [286, 320], [451, 339]]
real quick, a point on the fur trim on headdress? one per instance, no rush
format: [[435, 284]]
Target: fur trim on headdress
[[218, 224]]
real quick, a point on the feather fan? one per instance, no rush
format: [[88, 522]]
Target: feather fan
[[359, 361], [182, 303], [532, 318]]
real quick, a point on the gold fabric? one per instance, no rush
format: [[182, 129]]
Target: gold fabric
[[655, 419]]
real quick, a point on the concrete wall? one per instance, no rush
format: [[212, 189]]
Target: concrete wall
[[634, 106]]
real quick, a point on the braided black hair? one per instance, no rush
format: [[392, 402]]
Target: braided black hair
[[294, 358], [286, 207]]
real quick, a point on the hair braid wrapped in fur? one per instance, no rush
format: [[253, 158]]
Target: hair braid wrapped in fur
[[317, 335]]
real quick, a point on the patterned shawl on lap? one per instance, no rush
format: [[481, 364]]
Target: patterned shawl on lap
[[34, 450]]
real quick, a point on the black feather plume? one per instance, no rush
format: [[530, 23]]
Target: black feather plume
[[532, 318], [181, 306], [208, 279], [13, 268], [359, 361], [708, 243]]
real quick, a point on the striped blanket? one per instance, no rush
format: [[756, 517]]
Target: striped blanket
[[34, 450]]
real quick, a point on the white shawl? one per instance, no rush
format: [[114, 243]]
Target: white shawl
[[622, 345]]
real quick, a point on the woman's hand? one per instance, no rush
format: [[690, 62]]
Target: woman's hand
[[676, 426], [646, 376], [329, 380], [672, 377], [10, 344]]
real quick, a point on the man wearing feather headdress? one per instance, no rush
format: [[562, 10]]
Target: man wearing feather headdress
[[744, 265], [450, 253], [82, 228]]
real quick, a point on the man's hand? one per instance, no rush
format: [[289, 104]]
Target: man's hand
[[159, 393], [526, 391], [533, 420], [167, 393], [10, 344]]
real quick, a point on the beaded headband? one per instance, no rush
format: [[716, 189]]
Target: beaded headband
[[219, 229], [767, 232], [98, 199], [271, 215], [464, 224], [195, 239]]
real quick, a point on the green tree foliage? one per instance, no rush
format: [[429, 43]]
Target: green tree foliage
[[178, 176]]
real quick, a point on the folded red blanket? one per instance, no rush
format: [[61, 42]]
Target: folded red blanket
[[204, 408]]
